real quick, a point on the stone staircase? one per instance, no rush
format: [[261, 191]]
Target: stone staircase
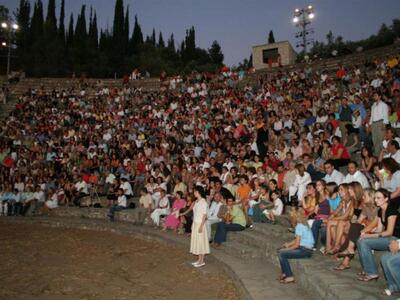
[[252, 253], [47, 85]]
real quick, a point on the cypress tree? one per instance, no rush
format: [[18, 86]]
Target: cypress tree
[[23, 37], [118, 28], [51, 20], [93, 32], [70, 34], [271, 38], [61, 27], [126, 29], [153, 38], [137, 38], [37, 21], [80, 29], [161, 43], [171, 43]]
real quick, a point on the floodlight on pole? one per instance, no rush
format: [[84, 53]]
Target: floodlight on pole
[[302, 18], [11, 28]]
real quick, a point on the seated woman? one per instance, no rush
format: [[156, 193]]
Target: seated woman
[[389, 220], [300, 247], [263, 203], [187, 215], [173, 220], [390, 262], [335, 226], [310, 200], [51, 203], [363, 225], [340, 154], [322, 209]]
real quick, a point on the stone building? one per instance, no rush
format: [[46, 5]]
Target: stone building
[[272, 55]]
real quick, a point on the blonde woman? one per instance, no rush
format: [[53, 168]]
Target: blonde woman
[[342, 214], [363, 225], [199, 244], [300, 247]]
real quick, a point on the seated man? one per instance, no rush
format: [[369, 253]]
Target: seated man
[[81, 190], [145, 206], [212, 215], [121, 205], [233, 220], [162, 209]]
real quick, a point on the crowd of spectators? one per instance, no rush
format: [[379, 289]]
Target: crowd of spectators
[[323, 141]]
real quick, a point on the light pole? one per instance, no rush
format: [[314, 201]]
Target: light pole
[[10, 28], [302, 18]]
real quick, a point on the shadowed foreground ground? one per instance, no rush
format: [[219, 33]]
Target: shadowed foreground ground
[[39, 262]]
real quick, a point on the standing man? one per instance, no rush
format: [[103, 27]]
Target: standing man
[[379, 118]]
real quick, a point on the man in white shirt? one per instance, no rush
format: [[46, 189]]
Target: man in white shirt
[[162, 209], [300, 183], [356, 175], [81, 190], [379, 118], [122, 203], [393, 151], [212, 215], [332, 175], [126, 187]]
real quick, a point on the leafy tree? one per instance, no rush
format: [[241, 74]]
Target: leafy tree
[[215, 53]]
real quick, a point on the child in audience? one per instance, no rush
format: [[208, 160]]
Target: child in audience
[[277, 208], [300, 247]]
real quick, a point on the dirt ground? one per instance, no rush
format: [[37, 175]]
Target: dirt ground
[[38, 262]]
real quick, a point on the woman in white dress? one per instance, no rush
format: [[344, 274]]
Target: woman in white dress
[[199, 244]]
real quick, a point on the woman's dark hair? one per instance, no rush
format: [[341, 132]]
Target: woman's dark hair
[[369, 151], [384, 192], [390, 164], [200, 190]]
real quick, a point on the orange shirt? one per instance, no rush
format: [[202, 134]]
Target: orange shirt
[[243, 191]]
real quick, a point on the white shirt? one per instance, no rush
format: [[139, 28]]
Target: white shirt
[[39, 196], [358, 176], [395, 156], [213, 211], [122, 201], [302, 180], [110, 178], [164, 203], [379, 112], [126, 186], [336, 177], [82, 187], [200, 208]]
